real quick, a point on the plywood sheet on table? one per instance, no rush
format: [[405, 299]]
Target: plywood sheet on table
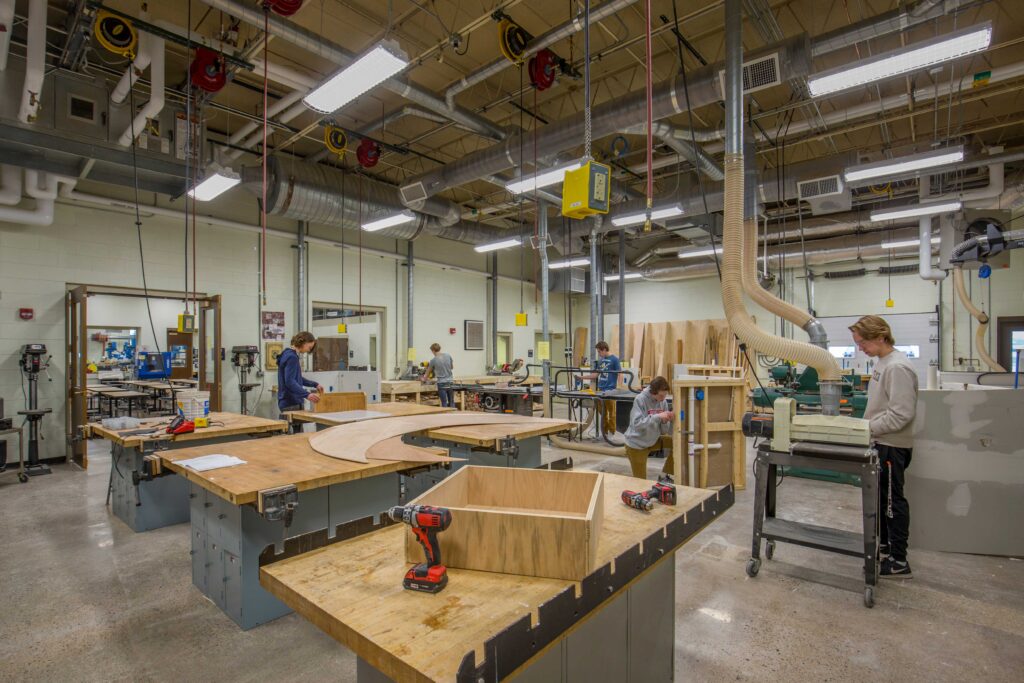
[[221, 425], [352, 591], [272, 462]]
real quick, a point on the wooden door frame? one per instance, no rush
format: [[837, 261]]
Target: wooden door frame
[[212, 303], [76, 340], [189, 357]]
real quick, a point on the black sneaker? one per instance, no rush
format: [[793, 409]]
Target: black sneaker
[[894, 569]]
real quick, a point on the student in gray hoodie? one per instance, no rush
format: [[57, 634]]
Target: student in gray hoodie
[[890, 412], [650, 427]]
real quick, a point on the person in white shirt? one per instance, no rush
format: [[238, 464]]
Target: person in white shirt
[[890, 412]]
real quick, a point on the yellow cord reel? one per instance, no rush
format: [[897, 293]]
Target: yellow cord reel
[[115, 34], [335, 140], [512, 40]]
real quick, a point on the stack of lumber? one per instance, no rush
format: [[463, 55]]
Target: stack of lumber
[[654, 348]]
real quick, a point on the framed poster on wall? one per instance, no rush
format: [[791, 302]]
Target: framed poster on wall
[[272, 325], [273, 350]]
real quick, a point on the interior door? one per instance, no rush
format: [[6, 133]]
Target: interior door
[[180, 346], [76, 338], [210, 361]]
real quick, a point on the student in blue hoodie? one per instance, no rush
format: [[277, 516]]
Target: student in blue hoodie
[[291, 385]]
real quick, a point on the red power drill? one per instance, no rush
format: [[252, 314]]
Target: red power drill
[[662, 491], [427, 522]]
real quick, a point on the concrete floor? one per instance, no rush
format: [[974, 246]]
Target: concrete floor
[[84, 598]]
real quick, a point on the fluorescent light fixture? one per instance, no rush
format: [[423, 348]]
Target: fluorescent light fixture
[[915, 211], [569, 263], [542, 178], [907, 164], [639, 217], [218, 180], [379, 64], [388, 221], [905, 243], [697, 252], [627, 276], [494, 246], [902, 60]]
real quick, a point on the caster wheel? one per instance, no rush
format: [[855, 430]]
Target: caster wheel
[[753, 566], [769, 550], [869, 597], [23, 478]]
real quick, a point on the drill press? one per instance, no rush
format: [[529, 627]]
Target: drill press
[[245, 358], [32, 364]]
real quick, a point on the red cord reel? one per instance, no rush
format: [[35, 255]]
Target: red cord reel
[[368, 153], [285, 8], [207, 70], [542, 69]]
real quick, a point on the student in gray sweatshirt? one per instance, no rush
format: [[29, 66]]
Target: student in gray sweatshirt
[[650, 427], [892, 406]]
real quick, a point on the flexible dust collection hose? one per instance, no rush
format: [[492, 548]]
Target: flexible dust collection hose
[[732, 287], [759, 294], [979, 315]]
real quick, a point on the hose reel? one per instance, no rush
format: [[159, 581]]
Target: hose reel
[[368, 153], [115, 34], [207, 70], [512, 38], [285, 8], [542, 69], [335, 140]]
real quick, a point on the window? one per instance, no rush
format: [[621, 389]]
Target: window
[[842, 351], [912, 350]]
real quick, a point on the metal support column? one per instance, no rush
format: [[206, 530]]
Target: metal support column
[[595, 289], [408, 312], [622, 293], [598, 220], [300, 289], [494, 309]]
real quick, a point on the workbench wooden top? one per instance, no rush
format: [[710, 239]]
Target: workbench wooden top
[[277, 461], [402, 386], [221, 425], [394, 409], [488, 435], [353, 591]]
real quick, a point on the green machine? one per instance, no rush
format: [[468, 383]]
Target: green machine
[[803, 388]]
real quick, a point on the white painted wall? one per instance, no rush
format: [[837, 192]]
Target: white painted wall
[[126, 311]]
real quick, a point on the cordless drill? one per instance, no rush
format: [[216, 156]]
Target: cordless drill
[[427, 522], [662, 492]]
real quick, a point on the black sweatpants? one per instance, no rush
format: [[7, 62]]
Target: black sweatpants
[[894, 527]]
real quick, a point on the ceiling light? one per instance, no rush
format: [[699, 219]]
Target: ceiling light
[[218, 180], [697, 252], [493, 246], [627, 276], [379, 64], [902, 60], [907, 164], [542, 178], [389, 221], [915, 211], [569, 263], [639, 217], [906, 243]]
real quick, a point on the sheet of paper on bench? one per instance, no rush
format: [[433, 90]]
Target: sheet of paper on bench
[[354, 415], [211, 462]]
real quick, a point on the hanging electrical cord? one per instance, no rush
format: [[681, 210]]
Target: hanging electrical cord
[[191, 176], [138, 214], [650, 112], [360, 244]]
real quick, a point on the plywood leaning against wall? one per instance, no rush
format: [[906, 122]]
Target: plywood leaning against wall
[[655, 347], [518, 521]]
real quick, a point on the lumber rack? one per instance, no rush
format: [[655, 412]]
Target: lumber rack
[[859, 460]]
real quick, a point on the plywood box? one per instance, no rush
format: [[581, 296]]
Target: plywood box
[[518, 521]]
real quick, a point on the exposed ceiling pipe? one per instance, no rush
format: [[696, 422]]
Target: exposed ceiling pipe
[[318, 45], [6, 29], [883, 24], [836, 250], [547, 39], [327, 196], [43, 188], [153, 46], [246, 136], [610, 117], [35, 62], [676, 139]]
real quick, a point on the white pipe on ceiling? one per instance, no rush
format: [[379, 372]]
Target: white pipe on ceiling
[[10, 185], [41, 186], [35, 62], [154, 48], [6, 28]]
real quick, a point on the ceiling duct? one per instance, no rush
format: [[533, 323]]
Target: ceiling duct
[[327, 196], [825, 195], [758, 74], [619, 114]]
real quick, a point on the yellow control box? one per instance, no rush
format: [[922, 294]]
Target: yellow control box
[[586, 191]]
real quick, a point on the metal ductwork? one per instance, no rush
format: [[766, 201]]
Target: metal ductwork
[[680, 142], [883, 24], [836, 250], [556, 34], [610, 117], [311, 42], [327, 196]]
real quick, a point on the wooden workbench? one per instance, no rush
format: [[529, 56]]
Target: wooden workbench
[[352, 590], [221, 425], [391, 409], [394, 388], [144, 501]]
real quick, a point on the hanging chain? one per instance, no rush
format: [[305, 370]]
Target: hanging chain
[[587, 132]]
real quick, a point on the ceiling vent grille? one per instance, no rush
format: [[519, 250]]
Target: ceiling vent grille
[[577, 280], [825, 195], [820, 187], [758, 74], [474, 335]]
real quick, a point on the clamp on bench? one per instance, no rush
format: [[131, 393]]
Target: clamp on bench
[[278, 503]]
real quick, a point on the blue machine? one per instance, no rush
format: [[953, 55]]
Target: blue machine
[[151, 365]]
